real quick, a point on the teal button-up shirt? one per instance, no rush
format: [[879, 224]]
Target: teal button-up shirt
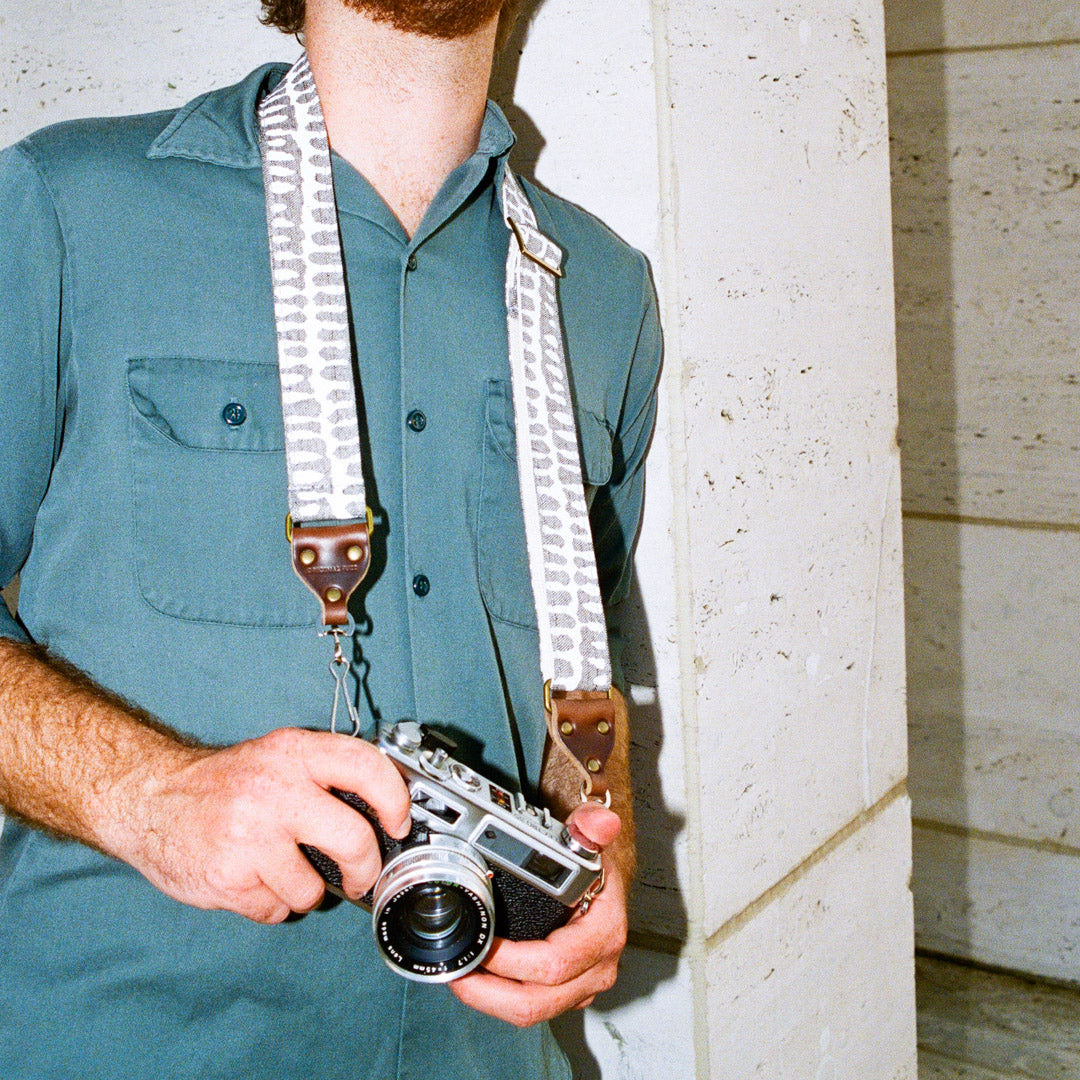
[[142, 497]]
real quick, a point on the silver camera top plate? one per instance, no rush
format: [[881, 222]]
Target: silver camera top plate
[[450, 798]]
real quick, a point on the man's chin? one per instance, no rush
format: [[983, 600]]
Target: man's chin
[[445, 19]]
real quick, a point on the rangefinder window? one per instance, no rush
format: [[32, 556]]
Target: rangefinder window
[[436, 807], [546, 869], [503, 846]]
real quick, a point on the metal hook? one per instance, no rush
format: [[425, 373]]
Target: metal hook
[[340, 666]]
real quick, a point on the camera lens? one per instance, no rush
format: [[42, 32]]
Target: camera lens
[[436, 913], [433, 925], [433, 911]]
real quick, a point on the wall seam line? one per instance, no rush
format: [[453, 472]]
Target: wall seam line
[[961, 50], [647, 941], [1049, 847], [992, 522], [995, 969], [674, 379], [799, 871]]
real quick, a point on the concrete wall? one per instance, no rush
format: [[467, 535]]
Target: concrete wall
[[985, 117], [743, 146]]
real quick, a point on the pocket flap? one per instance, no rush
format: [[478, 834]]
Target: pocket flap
[[594, 436], [209, 404]]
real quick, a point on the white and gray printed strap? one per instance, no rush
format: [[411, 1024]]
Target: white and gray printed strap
[[319, 397]]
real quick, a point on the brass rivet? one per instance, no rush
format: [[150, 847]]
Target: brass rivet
[[603, 727], [593, 765], [566, 727], [333, 594], [355, 553], [307, 556]]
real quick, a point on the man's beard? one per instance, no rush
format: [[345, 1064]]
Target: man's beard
[[432, 18]]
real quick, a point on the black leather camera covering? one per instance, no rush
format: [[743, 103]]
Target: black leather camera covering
[[522, 912]]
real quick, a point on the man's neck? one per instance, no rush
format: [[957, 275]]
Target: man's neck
[[403, 110]]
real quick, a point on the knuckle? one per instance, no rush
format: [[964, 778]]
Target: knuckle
[[526, 1015], [357, 845], [283, 741], [360, 880], [555, 970], [309, 896], [608, 975], [224, 880], [268, 914]]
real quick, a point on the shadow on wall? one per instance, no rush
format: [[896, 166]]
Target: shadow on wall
[[928, 394], [658, 914], [530, 143], [657, 910]]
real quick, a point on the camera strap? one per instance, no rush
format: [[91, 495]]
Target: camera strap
[[329, 524]]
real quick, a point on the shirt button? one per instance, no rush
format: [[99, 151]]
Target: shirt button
[[411, 264], [420, 585], [234, 414], [416, 420]]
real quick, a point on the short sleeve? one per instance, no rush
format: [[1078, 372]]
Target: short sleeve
[[617, 508], [31, 287]]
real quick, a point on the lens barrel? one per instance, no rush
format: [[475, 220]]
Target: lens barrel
[[433, 911]]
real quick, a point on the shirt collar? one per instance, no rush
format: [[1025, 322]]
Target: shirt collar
[[356, 196], [221, 128]]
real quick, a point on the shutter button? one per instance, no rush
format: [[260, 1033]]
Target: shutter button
[[234, 414], [416, 420], [420, 585]]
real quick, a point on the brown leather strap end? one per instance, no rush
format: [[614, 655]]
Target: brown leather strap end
[[331, 561], [582, 723]]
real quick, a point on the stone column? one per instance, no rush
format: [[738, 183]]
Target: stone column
[[744, 146]]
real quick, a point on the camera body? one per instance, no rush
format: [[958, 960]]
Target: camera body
[[479, 861]]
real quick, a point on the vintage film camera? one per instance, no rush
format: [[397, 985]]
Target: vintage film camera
[[479, 862]]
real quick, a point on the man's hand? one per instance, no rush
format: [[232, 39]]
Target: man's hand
[[220, 828], [526, 982]]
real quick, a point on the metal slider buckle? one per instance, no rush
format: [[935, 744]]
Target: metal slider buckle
[[289, 524], [516, 229]]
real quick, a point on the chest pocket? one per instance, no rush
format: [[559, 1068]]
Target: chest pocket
[[501, 556], [209, 493]]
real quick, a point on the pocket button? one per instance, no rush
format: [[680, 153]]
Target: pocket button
[[234, 414]]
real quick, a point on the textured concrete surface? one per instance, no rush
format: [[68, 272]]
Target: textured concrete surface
[[985, 130], [964, 24], [996, 901], [642, 1030], [986, 153], [808, 988], [993, 657], [105, 57], [786, 340]]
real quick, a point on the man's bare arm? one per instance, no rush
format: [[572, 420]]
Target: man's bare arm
[[211, 827]]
